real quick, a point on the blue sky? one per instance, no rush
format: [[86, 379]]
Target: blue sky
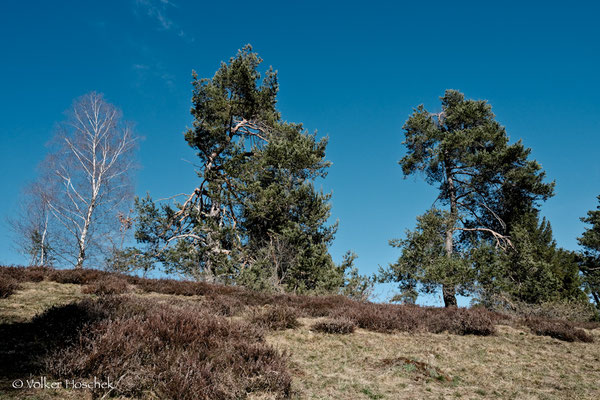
[[353, 71]]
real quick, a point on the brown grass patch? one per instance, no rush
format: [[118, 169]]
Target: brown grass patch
[[35, 297], [421, 369], [513, 364]]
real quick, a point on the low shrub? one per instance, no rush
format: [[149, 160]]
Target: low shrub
[[581, 312], [561, 330], [110, 284], [226, 306], [474, 322], [276, 317], [36, 274], [17, 274], [322, 306], [459, 321], [384, 318], [338, 326], [8, 286], [81, 276], [174, 287], [164, 351]]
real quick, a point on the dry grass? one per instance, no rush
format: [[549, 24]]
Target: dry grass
[[401, 361], [514, 364], [35, 297]]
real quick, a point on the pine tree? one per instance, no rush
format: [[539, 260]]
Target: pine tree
[[590, 257], [534, 270], [464, 151], [255, 218]]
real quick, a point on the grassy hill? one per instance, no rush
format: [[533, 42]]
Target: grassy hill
[[165, 339]]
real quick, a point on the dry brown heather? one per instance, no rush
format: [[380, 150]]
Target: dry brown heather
[[186, 340]]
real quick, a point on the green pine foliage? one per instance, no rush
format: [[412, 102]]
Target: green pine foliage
[[256, 218], [533, 271], [424, 264], [589, 260], [483, 183]]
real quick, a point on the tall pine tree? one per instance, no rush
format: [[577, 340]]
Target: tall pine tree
[[465, 152], [255, 217], [590, 257]]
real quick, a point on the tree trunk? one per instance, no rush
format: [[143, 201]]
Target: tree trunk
[[449, 295], [43, 249], [449, 291], [596, 299], [84, 234]]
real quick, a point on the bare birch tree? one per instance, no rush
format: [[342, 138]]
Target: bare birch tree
[[31, 226], [89, 175]]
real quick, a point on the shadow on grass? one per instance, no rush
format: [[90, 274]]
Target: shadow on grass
[[24, 346]]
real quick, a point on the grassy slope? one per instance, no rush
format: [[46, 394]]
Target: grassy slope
[[367, 365]]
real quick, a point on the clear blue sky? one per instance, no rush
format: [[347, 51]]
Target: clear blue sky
[[352, 71]]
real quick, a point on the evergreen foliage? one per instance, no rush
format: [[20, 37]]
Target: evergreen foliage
[[256, 217], [484, 184], [533, 271], [589, 260]]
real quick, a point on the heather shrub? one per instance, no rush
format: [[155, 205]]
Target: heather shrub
[[25, 274], [16, 274], [172, 352], [25, 344], [36, 274], [110, 284], [385, 318], [339, 326], [8, 286], [174, 287], [276, 317], [458, 321], [582, 312], [226, 306], [76, 276], [561, 330], [322, 306], [474, 322]]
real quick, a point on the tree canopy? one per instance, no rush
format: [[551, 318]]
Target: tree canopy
[[483, 182], [590, 257], [255, 217]]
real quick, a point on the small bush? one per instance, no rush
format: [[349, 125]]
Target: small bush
[[475, 322], [171, 352], [226, 306], [339, 326], [8, 286], [322, 306], [107, 285], [174, 287], [561, 330], [581, 312], [384, 318], [36, 274], [276, 318], [459, 321], [16, 274], [76, 276]]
